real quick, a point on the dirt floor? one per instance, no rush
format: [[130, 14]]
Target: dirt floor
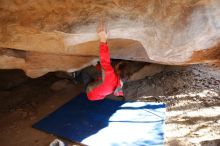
[[192, 95]]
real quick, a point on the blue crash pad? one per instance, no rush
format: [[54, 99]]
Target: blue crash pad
[[107, 122]]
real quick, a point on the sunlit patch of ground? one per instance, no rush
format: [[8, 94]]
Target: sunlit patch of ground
[[196, 119]]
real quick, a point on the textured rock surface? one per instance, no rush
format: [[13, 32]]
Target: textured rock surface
[[48, 35]]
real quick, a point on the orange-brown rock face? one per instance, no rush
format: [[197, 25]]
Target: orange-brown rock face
[[40, 36]]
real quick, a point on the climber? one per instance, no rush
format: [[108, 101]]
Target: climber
[[111, 81]]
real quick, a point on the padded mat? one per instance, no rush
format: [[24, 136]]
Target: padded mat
[[107, 122]]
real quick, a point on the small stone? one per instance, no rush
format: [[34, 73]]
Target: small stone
[[59, 85], [24, 114], [33, 118], [19, 109]]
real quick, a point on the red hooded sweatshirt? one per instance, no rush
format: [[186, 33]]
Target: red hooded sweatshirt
[[111, 81]]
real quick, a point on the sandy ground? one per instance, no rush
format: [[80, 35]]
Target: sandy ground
[[192, 95], [26, 104]]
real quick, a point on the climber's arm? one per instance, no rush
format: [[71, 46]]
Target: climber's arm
[[104, 51], [105, 57]]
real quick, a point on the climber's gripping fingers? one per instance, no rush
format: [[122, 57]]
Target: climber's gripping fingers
[[101, 30]]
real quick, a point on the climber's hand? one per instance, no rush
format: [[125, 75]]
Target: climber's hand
[[101, 30]]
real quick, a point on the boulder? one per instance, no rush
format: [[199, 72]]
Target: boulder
[[52, 35]]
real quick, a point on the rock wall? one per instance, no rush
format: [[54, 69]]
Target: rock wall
[[48, 35]]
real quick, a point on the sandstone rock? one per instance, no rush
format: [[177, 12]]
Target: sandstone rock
[[147, 70], [43, 36]]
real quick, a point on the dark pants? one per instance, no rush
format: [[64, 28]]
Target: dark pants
[[87, 75]]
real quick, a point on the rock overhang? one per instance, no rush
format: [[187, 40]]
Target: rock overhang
[[61, 35]]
